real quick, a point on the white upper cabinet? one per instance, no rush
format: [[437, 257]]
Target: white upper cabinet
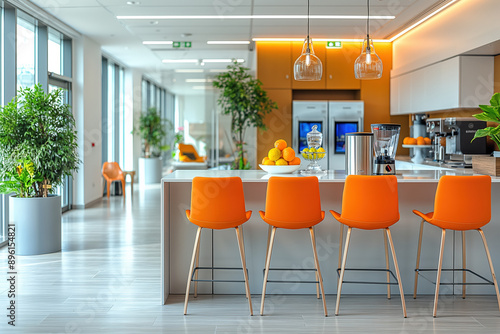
[[459, 82]]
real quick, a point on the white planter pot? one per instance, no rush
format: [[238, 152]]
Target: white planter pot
[[150, 170], [38, 224]]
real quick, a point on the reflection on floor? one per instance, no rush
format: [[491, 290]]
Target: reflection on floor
[[107, 280]]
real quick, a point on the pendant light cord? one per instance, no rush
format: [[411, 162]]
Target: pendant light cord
[[308, 50], [368, 19]]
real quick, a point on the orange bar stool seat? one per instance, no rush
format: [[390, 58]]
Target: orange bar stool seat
[[292, 203], [462, 203], [217, 203], [369, 203]]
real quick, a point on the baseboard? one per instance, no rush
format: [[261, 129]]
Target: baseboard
[[87, 205]]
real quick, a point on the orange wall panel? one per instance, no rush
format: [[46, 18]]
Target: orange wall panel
[[340, 66], [278, 123], [274, 66]]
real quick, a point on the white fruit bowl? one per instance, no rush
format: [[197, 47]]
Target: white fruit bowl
[[272, 169]]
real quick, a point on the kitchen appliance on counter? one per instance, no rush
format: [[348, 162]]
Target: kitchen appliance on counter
[[333, 119], [359, 153], [385, 143], [452, 140]]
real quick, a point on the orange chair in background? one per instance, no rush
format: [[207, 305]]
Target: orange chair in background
[[111, 171], [217, 203], [292, 203], [462, 203], [369, 203], [187, 153]]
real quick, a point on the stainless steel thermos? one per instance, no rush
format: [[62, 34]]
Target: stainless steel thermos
[[359, 153]]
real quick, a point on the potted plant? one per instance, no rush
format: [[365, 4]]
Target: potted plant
[[491, 113], [38, 148], [153, 132], [243, 98]]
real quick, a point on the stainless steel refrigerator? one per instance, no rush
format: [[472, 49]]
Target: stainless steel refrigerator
[[334, 119]]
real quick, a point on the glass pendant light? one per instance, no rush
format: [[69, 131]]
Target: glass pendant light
[[368, 65], [308, 66]]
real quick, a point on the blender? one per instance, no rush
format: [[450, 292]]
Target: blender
[[385, 143]]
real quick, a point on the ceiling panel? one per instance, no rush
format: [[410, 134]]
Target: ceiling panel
[[123, 38]]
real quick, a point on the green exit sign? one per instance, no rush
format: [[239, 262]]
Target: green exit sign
[[334, 44], [181, 44]]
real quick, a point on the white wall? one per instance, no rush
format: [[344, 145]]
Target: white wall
[[87, 110], [462, 27]]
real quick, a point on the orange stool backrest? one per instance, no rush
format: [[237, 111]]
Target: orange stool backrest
[[188, 148], [463, 200], [111, 170], [216, 201], [371, 199], [295, 200]]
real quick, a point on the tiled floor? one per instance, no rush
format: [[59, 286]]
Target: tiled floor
[[107, 280]]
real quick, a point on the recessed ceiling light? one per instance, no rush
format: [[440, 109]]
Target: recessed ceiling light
[[188, 71], [284, 39], [248, 17], [228, 42], [133, 3], [227, 60], [180, 60], [203, 87], [199, 80], [157, 42]]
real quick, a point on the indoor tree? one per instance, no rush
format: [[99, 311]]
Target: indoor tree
[[38, 143], [242, 97], [153, 130]]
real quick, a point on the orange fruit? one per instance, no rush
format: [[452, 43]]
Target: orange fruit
[[405, 141], [288, 154], [274, 154], [280, 144], [295, 161], [264, 160], [281, 162], [412, 141], [420, 141], [427, 141], [269, 162]]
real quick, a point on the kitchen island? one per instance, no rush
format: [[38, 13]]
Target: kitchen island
[[293, 249]]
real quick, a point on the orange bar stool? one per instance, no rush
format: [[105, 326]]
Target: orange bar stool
[[292, 203], [370, 203], [462, 203], [217, 203]]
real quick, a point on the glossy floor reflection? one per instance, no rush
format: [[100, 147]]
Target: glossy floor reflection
[[107, 280]]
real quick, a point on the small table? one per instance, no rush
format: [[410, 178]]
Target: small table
[[132, 174]]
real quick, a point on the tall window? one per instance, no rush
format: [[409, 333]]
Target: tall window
[[25, 51], [55, 51]]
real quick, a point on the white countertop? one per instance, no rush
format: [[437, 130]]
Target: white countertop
[[404, 176]]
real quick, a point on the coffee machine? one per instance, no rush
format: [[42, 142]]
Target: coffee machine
[[452, 140], [385, 143]]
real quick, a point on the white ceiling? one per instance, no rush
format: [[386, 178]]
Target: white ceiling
[[122, 39]]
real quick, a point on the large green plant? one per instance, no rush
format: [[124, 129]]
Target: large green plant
[[490, 113], [38, 143], [153, 131], [243, 98]]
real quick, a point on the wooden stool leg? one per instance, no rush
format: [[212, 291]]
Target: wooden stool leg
[[109, 188], [266, 271], [268, 239], [438, 278], [387, 266], [495, 283], [317, 284], [342, 270], [247, 294], [244, 265], [396, 268], [341, 239], [318, 271], [196, 272], [123, 187], [417, 265], [463, 265], [191, 268]]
